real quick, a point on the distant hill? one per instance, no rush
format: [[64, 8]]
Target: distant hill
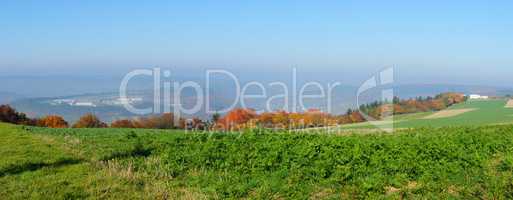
[[413, 90], [344, 97]]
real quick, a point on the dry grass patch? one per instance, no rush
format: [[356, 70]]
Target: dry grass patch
[[509, 104], [449, 113], [453, 190], [390, 190], [412, 185], [323, 193]]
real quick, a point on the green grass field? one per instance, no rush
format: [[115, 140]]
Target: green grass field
[[429, 163], [486, 112]]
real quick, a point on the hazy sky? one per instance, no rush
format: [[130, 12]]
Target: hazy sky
[[430, 41]]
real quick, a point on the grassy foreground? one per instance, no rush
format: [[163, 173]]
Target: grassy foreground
[[459, 162]]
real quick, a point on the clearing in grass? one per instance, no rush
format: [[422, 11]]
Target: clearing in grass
[[472, 112], [509, 104], [449, 113]]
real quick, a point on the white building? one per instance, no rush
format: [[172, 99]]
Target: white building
[[63, 101], [128, 100], [477, 96], [88, 104]]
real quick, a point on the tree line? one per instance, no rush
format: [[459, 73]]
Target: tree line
[[10, 115], [248, 118], [164, 121], [412, 105], [241, 118]]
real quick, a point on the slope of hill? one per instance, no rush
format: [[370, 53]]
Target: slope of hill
[[478, 113], [470, 113], [459, 162]]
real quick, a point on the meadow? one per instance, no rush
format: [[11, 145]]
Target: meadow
[[480, 112], [454, 162]]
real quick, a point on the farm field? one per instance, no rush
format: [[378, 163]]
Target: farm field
[[454, 162], [470, 113]]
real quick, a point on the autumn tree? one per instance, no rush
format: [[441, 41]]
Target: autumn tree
[[89, 121], [164, 121], [10, 115], [297, 120], [122, 123], [236, 118], [52, 121], [316, 118], [281, 119], [266, 119], [356, 117], [144, 122]]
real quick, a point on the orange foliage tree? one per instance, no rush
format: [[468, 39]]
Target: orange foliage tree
[[164, 121], [52, 121], [89, 121], [237, 118], [122, 123]]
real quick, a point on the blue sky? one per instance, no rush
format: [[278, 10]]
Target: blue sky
[[431, 41]]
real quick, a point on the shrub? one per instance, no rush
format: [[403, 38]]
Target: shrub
[[89, 121], [52, 121], [237, 118], [122, 123], [10, 115], [164, 121]]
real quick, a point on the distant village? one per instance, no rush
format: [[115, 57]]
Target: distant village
[[99, 102], [477, 96], [138, 100]]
